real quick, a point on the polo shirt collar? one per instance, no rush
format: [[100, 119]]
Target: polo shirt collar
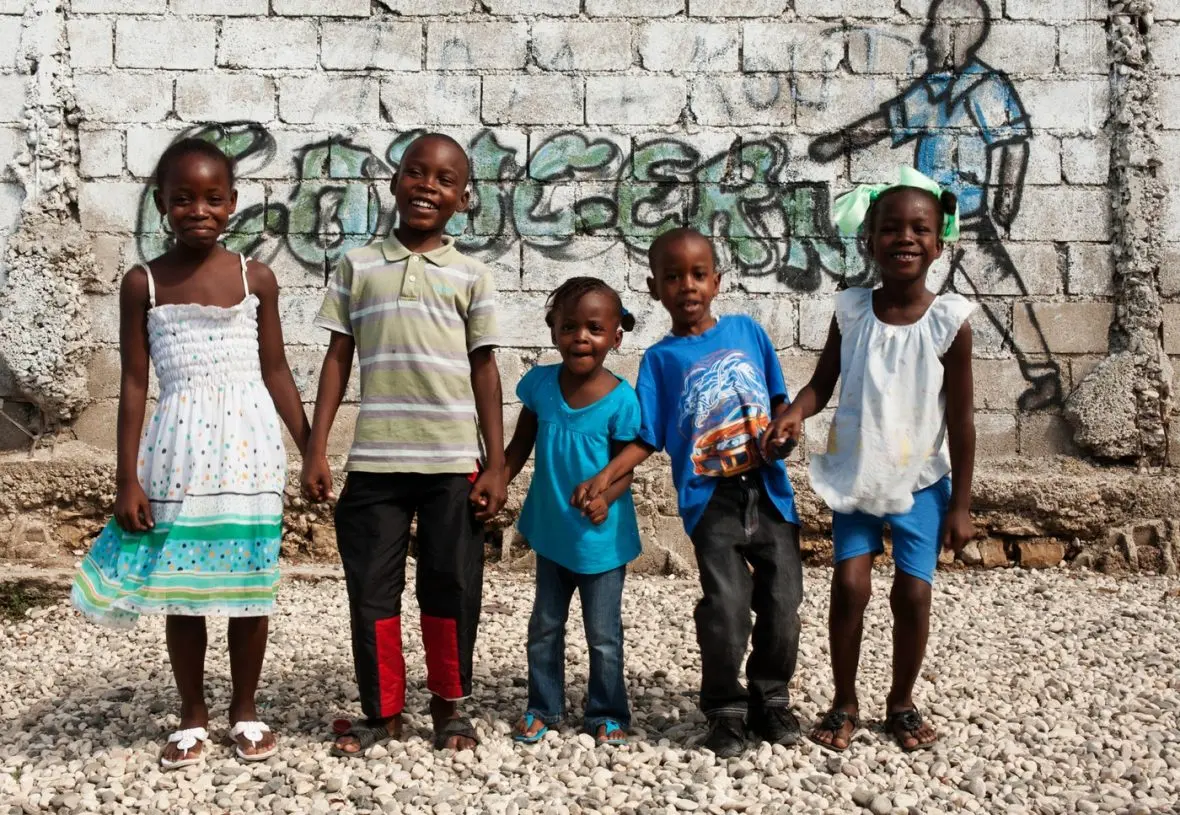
[[394, 251]]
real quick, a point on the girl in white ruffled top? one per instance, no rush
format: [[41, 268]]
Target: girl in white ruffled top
[[901, 447], [199, 501]]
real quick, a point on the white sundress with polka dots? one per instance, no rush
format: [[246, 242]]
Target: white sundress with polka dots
[[212, 463]]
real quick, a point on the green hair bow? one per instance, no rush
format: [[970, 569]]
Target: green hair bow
[[850, 209]]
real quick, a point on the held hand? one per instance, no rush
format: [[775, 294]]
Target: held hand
[[317, 479], [489, 494], [588, 491], [133, 512], [957, 529], [781, 437], [596, 511]]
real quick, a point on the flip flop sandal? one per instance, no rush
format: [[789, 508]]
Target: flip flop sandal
[[833, 722], [907, 723], [612, 726], [186, 740], [524, 738], [365, 736], [458, 726], [254, 733]]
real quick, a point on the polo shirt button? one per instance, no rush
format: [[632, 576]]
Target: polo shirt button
[[412, 278]]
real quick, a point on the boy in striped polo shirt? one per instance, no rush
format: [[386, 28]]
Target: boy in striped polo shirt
[[421, 318]]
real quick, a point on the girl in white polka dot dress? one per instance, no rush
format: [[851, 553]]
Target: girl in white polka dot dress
[[198, 511]]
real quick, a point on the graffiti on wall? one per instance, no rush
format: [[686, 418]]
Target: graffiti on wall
[[962, 119]]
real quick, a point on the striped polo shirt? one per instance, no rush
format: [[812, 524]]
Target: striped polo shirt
[[414, 317]]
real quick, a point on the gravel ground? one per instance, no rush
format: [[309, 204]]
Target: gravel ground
[[1053, 692]]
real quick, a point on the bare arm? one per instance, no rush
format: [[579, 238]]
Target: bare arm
[[272, 355], [490, 491], [334, 374], [521, 446], [814, 397], [624, 463], [960, 424], [132, 510], [1010, 162], [622, 484]]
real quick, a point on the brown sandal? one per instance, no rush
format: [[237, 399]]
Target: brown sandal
[[833, 722], [905, 724]]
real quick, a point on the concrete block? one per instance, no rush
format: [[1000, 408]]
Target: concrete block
[[144, 146], [542, 272], [121, 97], [1081, 367], [791, 47], [476, 46], [91, 42], [98, 424], [1063, 214], [998, 384], [335, 100], [101, 152], [635, 100], [268, 44], [109, 206], [535, 8], [1056, 11], [845, 8], [825, 104], [428, 8], [1043, 434], [879, 50], [220, 97], [118, 6], [569, 46], [12, 97], [221, 8], [431, 99], [815, 320], [174, 43], [1000, 268], [1067, 105], [1082, 48], [798, 367], [1170, 271], [567, 146], [1172, 328], [1090, 270], [995, 436], [778, 317], [991, 329], [1069, 328], [1044, 160], [1169, 103], [533, 99], [360, 45], [689, 47], [815, 432], [321, 8], [1016, 48], [629, 8], [736, 8], [754, 99], [1086, 160]]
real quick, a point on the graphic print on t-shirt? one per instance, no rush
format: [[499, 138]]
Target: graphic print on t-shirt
[[724, 409]]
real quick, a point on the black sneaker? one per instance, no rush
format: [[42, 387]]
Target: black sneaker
[[777, 725], [727, 736]]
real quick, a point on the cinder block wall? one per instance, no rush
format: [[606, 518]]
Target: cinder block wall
[[594, 123]]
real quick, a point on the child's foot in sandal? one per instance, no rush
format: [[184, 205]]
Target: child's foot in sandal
[[253, 741], [835, 730], [184, 748], [529, 729], [611, 732], [910, 730], [352, 739]]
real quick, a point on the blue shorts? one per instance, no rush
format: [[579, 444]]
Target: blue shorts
[[916, 534]]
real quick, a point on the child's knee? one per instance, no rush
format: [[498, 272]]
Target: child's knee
[[910, 595], [851, 592]]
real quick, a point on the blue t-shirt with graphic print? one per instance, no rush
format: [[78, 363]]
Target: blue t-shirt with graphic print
[[573, 445], [707, 401]]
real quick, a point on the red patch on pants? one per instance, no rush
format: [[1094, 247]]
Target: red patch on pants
[[441, 638], [391, 666]]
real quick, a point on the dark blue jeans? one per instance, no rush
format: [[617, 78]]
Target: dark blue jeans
[[602, 600]]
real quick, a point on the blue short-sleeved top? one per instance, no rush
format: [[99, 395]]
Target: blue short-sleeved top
[[573, 446], [707, 400]]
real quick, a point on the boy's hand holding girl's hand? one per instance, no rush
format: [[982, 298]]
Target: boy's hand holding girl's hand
[[489, 493], [589, 491], [957, 529], [596, 511], [317, 478], [783, 434], [133, 511]]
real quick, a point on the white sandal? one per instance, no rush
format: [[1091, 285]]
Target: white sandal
[[186, 740], [253, 731]]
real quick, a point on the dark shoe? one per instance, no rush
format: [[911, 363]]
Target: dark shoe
[[777, 725], [727, 736]]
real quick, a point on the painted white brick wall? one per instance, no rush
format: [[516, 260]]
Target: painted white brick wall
[[643, 113]]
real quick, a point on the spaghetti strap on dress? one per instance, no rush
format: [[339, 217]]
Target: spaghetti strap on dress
[[212, 463]]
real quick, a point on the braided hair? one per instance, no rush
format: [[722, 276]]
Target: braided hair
[[567, 295], [947, 203]]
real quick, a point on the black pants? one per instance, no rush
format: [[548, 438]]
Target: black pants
[[742, 528], [373, 535]]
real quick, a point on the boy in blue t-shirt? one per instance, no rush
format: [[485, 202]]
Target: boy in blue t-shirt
[[707, 392]]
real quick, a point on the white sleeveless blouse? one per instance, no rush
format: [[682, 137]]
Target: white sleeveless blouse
[[888, 436]]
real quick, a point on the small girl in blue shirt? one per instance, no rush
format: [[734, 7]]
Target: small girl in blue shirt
[[578, 415]]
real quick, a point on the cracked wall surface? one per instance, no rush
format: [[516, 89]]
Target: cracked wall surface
[[592, 124]]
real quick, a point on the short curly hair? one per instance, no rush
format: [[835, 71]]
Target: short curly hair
[[567, 295]]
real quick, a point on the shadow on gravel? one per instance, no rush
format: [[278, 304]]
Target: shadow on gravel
[[18, 596]]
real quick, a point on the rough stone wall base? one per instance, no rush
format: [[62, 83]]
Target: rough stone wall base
[[1034, 514]]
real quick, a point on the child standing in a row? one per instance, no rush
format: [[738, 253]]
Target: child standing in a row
[[707, 392]]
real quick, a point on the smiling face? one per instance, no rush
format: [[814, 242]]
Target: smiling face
[[905, 232], [430, 185], [586, 331], [685, 280], [197, 197]]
